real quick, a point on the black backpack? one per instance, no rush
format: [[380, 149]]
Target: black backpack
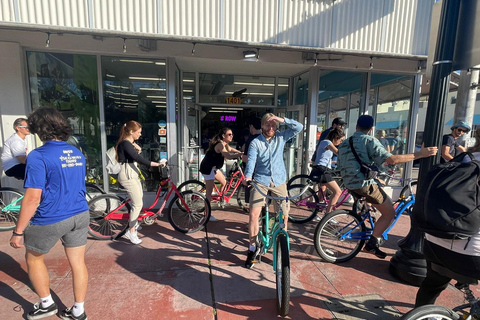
[[447, 204]]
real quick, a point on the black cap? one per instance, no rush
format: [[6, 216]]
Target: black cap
[[339, 121], [365, 121]]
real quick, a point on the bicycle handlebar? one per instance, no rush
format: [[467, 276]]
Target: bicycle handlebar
[[252, 183]]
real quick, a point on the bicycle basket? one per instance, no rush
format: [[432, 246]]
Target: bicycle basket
[[233, 169], [159, 173]]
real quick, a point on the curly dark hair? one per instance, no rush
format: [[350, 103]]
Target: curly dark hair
[[49, 124]]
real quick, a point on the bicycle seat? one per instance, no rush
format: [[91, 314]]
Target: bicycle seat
[[449, 273]]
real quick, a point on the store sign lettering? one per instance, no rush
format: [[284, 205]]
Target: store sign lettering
[[228, 118]]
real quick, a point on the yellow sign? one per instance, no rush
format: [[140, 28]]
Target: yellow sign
[[233, 100]]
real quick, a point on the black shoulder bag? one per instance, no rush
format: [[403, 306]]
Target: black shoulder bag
[[370, 172]]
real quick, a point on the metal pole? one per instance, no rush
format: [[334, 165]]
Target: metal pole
[[408, 263]]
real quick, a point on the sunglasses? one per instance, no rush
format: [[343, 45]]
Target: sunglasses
[[26, 127], [461, 130], [229, 134]]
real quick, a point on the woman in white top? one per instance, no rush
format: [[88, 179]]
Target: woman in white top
[[460, 256], [322, 170]]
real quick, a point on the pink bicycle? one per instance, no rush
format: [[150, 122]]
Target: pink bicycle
[[308, 205]]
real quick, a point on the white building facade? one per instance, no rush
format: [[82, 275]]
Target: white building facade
[[179, 67]]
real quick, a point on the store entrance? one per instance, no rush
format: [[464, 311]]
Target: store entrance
[[213, 119]]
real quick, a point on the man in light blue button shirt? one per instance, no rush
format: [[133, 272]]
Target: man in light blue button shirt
[[265, 165]]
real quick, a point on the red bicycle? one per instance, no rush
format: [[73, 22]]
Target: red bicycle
[[188, 211], [234, 186]]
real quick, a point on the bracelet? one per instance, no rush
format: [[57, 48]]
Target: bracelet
[[18, 234]]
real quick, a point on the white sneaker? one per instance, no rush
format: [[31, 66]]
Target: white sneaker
[[212, 219], [133, 237]]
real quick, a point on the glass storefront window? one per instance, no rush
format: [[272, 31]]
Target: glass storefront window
[[336, 89], [135, 89], [282, 85], [236, 89], [301, 89], [68, 82], [188, 82], [393, 108]]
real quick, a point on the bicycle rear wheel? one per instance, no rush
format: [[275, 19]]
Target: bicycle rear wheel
[[10, 203], [283, 275], [190, 216], [304, 208], [328, 236], [107, 229], [241, 198], [431, 312]]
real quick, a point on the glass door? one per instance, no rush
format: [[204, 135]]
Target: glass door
[[189, 148], [294, 154]]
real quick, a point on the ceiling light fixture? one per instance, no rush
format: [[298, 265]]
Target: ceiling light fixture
[[161, 63], [258, 55], [152, 89], [249, 54], [134, 61], [147, 78], [316, 60], [371, 63], [47, 43], [193, 49], [124, 45]]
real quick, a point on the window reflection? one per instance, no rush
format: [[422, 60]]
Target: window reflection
[[68, 82], [135, 89]]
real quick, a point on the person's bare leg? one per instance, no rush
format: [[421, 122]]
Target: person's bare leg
[[221, 178], [333, 186], [388, 214], [38, 273], [76, 259], [253, 224], [209, 188]]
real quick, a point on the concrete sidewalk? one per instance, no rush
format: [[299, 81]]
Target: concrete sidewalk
[[201, 276]]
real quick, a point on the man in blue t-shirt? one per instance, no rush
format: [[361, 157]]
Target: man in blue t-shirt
[[54, 207]]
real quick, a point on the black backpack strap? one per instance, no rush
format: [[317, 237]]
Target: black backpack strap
[[350, 141], [461, 156]]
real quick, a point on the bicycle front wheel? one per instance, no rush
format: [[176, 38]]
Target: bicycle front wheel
[[241, 198], [10, 203], [304, 208], [192, 214], [194, 185], [102, 228], [298, 179], [406, 192], [431, 312], [92, 190], [339, 236], [283, 275]]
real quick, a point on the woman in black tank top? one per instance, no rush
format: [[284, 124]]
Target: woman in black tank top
[[217, 151]]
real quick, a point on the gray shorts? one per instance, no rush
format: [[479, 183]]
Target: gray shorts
[[72, 231]]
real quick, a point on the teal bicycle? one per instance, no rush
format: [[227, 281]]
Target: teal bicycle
[[272, 233], [10, 203]]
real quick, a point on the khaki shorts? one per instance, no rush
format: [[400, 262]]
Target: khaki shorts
[[257, 200], [372, 193]]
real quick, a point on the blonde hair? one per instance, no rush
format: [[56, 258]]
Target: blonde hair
[[267, 117]]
